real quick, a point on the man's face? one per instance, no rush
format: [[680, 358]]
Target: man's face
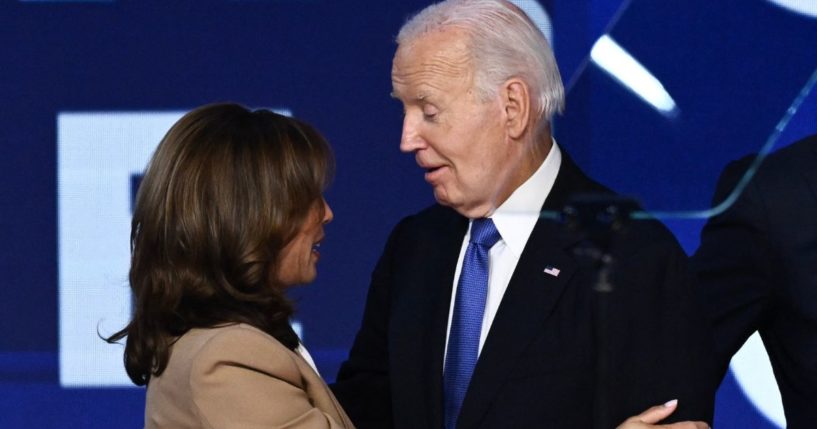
[[458, 139]]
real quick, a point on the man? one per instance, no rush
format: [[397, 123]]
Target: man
[[479, 313], [757, 265]]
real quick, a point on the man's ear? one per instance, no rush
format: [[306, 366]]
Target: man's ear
[[516, 102]]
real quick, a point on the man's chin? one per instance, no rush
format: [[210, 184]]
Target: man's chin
[[469, 211], [443, 199]]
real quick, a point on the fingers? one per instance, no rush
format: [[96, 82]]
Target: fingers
[[687, 425], [655, 414]]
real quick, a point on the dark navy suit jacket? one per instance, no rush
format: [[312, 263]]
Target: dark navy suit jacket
[[757, 265], [537, 366]]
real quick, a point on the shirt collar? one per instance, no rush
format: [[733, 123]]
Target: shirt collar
[[517, 216]]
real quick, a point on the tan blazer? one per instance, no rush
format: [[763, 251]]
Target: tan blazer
[[239, 377]]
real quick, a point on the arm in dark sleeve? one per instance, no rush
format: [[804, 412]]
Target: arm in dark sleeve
[[362, 385], [664, 350], [734, 265], [687, 343]]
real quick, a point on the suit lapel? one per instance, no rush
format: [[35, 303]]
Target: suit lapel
[[530, 298], [428, 287], [444, 281]]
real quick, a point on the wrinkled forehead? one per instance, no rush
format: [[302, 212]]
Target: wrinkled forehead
[[443, 53]]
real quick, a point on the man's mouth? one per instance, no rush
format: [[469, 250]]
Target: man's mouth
[[432, 173]]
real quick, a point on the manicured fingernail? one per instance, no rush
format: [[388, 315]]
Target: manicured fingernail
[[671, 403]]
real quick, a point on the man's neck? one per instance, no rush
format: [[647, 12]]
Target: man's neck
[[535, 153]]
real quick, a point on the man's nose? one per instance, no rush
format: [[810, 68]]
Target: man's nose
[[410, 140]]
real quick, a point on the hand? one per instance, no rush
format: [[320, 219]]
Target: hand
[[657, 413]]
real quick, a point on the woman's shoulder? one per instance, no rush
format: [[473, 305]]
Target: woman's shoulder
[[231, 330], [229, 339], [239, 345], [204, 356]]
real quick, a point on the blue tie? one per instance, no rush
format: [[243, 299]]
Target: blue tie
[[466, 323]]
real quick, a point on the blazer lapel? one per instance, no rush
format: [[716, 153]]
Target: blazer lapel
[[319, 393]]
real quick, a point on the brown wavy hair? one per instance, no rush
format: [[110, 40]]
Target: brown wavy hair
[[224, 192]]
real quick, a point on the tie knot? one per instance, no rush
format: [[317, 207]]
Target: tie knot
[[484, 233]]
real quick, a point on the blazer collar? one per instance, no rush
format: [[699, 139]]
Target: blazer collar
[[319, 393]]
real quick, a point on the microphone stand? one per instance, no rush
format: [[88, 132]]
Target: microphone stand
[[602, 217]]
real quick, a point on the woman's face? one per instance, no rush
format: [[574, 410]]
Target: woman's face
[[299, 259]]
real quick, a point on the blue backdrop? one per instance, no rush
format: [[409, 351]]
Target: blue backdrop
[[88, 87]]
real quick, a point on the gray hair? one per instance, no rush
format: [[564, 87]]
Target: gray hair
[[504, 43]]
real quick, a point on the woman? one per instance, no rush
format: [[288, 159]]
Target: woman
[[229, 214]]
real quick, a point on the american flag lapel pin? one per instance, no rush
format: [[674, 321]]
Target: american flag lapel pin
[[553, 271]]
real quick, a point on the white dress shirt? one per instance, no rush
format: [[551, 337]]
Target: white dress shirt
[[514, 220], [301, 350]]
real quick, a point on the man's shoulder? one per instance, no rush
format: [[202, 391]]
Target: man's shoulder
[[433, 217], [781, 165], [432, 224], [787, 163], [795, 152], [435, 212], [647, 236], [637, 235]]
